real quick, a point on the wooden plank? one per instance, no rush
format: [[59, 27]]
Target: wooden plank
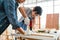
[[52, 21]]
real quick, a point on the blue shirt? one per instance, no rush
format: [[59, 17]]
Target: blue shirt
[[8, 14]]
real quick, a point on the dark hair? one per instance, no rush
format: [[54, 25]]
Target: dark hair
[[38, 10]]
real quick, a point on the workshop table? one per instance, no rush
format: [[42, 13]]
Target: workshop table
[[38, 36]]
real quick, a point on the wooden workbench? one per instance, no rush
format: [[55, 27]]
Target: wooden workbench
[[38, 36]]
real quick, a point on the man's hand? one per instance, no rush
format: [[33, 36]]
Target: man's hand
[[27, 21], [21, 30]]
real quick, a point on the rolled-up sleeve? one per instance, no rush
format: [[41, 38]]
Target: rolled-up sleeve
[[9, 6]]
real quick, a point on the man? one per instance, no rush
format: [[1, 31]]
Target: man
[[37, 11], [8, 15]]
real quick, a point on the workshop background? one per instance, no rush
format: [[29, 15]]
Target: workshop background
[[50, 16]]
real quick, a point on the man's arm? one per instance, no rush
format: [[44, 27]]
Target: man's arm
[[23, 12], [9, 6]]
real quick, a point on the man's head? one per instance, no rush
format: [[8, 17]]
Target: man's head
[[36, 11], [20, 1]]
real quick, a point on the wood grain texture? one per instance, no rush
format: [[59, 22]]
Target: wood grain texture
[[52, 21]]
